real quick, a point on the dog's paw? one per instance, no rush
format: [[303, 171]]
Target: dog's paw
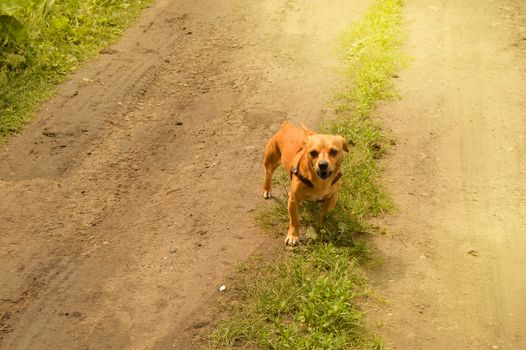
[[291, 240], [266, 194]]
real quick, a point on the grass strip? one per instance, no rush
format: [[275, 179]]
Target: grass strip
[[41, 41], [306, 301], [309, 299]]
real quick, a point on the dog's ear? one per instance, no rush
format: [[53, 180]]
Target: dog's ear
[[344, 144], [307, 131]]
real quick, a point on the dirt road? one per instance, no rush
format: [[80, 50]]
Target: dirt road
[[130, 198], [455, 259]]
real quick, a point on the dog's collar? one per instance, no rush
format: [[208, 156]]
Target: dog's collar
[[335, 180], [296, 171]]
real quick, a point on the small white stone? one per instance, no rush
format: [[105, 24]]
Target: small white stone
[[222, 288]]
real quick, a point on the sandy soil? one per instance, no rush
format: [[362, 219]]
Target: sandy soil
[[131, 196], [455, 257]]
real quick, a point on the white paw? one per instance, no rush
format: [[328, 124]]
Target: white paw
[[291, 240], [266, 194]]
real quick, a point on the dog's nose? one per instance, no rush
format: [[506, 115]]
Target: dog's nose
[[323, 164]]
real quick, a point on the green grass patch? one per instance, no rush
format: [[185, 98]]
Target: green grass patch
[[372, 55], [41, 41], [305, 301], [310, 299]]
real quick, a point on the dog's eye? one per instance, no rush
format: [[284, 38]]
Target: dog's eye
[[313, 154], [333, 152]]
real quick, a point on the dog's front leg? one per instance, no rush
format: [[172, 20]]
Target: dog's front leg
[[328, 204], [294, 221]]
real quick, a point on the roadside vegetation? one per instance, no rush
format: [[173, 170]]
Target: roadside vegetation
[[310, 297], [43, 40]]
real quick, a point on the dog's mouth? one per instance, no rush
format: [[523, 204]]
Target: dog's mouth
[[323, 174]]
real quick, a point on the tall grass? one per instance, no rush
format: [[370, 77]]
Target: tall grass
[[49, 41], [310, 300]]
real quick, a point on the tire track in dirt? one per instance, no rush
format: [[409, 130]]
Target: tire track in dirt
[[455, 257], [130, 198]]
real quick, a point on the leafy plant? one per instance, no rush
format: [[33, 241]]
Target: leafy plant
[[12, 31]]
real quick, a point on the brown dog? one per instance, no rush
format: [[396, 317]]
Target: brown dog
[[313, 161]]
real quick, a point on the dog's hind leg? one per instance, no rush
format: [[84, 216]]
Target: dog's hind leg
[[271, 161]]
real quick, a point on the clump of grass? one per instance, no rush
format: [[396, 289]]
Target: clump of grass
[[372, 55], [307, 301], [51, 39]]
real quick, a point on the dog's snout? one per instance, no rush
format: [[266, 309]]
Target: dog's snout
[[323, 164]]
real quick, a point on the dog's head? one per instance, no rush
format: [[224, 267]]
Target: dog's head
[[325, 153]]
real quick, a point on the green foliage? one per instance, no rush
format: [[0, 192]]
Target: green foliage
[[306, 301], [372, 54], [12, 31], [43, 40]]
